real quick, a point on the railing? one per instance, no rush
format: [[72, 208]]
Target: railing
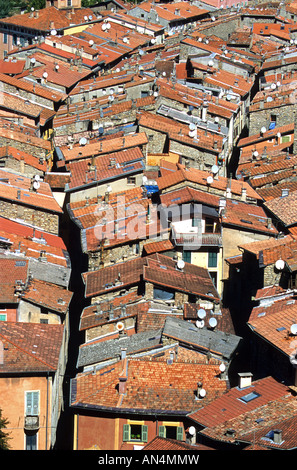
[[31, 423], [194, 238]]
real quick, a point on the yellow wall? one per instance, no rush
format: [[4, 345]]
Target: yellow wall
[[200, 258]]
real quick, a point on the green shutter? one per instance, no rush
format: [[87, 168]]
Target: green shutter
[[179, 433], [144, 433], [126, 432], [162, 431]]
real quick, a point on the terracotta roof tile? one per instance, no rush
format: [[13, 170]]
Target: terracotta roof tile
[[48, 295], [16, 188], [12, 271], [229, 406], [151, 385], [30, 347]]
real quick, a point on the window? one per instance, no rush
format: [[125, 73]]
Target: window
[[131, 180], [209, 225], [187, 256], [249, 397], [171, 432], [69, 3], [32, 403], [31, 441], [135, 432], [4, 38], [3, 316], [212, 259]]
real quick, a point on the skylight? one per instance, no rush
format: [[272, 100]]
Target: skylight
[[249, 397]]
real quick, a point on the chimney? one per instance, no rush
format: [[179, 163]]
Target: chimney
[[245, 379], [277, 436], [243, 194], [269, 223], [124, 375]]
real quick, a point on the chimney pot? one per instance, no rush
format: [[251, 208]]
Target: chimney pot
[[245, 379]]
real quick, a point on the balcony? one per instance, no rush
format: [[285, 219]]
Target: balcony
[[31, 423], [194, 238]]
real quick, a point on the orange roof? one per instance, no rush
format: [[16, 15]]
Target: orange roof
[[50, 18], [193, 175], [17, 188], [104, 146]]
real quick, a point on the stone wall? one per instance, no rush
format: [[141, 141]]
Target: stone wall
[[257, 119], [110, 329], [20, 166], [44, 220]]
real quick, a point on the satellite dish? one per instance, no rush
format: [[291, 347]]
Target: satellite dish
[[53, 32], [104, 26], [109, 189], [192, 126], [269, 99], [222, 367], [263, 130], [45, 75], [37, 178], [212, 322], [273, 86], [107, 25], [85, 18], [256, 153], [200, 323], [91, 42], [144, 179], [153, 41], [201, 313], [293, 329], [214, 169], [83, 141], [192, 430], [211, 63], [36, 185], [280, 264], [209, 179], [120, 326], [180, 264], [90, 17], [32, 60], [202, 393]]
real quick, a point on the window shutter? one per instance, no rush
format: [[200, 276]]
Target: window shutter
[[126, 432], [179, 433], [162, 431], [32, 403], [144, 433]]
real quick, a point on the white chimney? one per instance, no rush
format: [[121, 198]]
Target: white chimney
[[245, 379]]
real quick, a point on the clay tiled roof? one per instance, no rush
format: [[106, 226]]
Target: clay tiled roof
[[157, 247], [158, 269], [13, 271], [124, 162], [49, 18], [269, 251], [180, 132], [16, 188], [104, 146], [284, 130], [12, 66], [35, 89], [30, 347], [20, 155], [165, 444], [247, 216], [151, 385], [273, 322], [284, 208], [199, 177], [230, 405], [48, 295]]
